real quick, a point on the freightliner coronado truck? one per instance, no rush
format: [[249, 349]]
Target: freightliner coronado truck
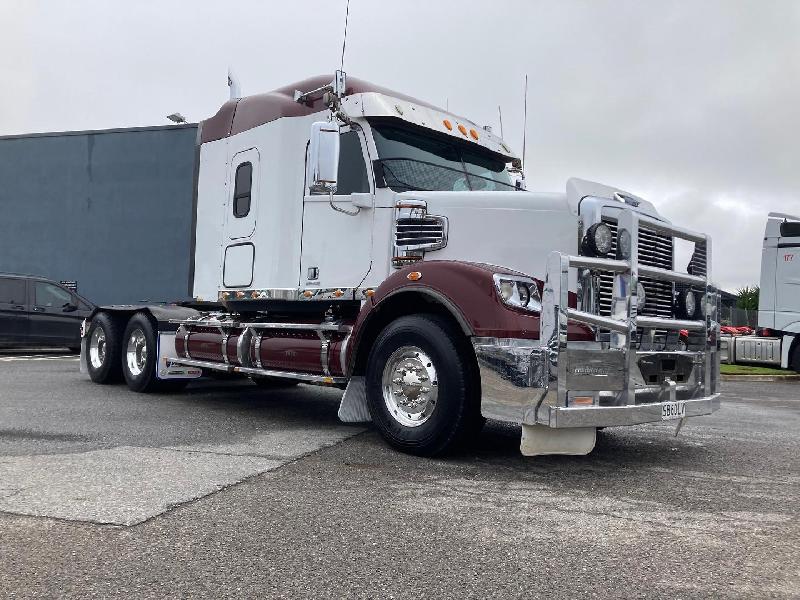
[[350, 236], [778, 342]]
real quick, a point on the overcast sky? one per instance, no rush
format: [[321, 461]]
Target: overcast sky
[[694, 105]]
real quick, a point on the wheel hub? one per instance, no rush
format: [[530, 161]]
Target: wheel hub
[[136, 352], [410, 386], [97, 348]]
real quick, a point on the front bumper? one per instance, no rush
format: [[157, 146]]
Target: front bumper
[[516, 387], [560, 383]]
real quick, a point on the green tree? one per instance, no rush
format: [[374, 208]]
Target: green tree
[[747, 297]]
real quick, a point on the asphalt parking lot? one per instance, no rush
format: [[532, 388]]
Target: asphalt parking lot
[[226, 490]]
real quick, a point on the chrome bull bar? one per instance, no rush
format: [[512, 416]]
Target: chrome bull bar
[[559, 383]]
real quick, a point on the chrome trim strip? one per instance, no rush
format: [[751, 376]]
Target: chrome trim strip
[[257, 350], [597, 320], [263, 372], [667, 275], [660, 323], [225, 336], [343, 353], [335, 327], [611, 416]]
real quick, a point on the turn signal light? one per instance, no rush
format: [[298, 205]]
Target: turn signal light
[[414, 276], [583, 400], [308, 294], [338, 293]]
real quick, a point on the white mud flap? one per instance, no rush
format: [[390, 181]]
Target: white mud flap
[[167, 369], [354, 408], [539, 440], [84, 355]]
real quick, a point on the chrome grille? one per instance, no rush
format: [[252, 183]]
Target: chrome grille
[[420, 233], [656, 250]]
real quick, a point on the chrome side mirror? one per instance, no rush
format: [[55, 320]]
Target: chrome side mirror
[[323, 158]]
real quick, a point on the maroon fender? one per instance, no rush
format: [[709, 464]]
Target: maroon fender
[[467, 290]]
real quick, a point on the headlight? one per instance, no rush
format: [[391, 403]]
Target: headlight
[[598, 240], [519, 292], [687, 303]]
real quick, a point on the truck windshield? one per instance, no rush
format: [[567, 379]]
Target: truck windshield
[[413, 160]]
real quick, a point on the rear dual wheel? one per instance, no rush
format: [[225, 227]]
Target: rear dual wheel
[[140, 357]]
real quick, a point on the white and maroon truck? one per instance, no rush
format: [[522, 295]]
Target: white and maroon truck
[[350, 236]]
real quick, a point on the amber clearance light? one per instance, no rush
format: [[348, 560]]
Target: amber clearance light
[[448, 124], [474, 134], [414, 276], [462, 129]]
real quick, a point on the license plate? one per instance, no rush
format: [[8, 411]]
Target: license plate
[[673, 410]]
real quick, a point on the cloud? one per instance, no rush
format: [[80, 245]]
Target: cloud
[[693, 105]]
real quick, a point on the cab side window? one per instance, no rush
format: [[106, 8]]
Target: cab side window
[[352, 168], [241, 190], [12, 291], [50, 296]]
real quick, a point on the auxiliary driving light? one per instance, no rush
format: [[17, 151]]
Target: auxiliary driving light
[[598, 240]]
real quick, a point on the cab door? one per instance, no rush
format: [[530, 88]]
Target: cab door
[[241, 219], [337, 247]]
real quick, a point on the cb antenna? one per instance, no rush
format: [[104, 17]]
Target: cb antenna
[[524, 125], [500, 114], [344, 41]]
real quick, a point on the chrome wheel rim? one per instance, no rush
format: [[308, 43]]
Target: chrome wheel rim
[[136, 352], [97, 348], [410, 386]]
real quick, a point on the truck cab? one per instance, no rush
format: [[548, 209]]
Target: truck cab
[[352, 236]]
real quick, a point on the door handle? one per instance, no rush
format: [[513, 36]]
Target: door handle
[[38, 309]]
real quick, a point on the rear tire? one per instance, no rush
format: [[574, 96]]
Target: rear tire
[[423, 391], [103, 346], [139, 358]]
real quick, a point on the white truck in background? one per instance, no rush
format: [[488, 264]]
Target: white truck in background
[[778, 341], [347, 235]]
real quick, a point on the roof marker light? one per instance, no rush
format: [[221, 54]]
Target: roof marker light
[[448, 125], [462, 129], [474, 134]]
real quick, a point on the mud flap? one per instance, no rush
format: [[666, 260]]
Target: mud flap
[[539, 440], [354, 408]]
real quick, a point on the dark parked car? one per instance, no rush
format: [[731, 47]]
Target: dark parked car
[[36, 312]]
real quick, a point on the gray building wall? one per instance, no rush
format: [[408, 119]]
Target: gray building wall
[[111, 210]]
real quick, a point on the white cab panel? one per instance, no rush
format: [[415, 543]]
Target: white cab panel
[[277, 208], [517, 230], [237, 270]]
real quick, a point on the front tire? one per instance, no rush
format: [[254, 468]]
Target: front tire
[[103, 349], [422, 389], [139, 357]]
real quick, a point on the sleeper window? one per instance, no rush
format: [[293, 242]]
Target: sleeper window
[[352, 168], [241, 190]]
